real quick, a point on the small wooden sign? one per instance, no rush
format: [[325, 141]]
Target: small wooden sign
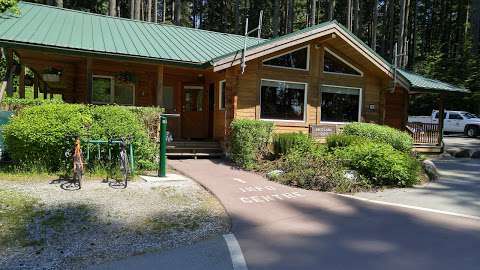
[[322, 130]]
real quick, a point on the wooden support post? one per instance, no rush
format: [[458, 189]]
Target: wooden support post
[[89, 80], [441, 117], [36, 86], [9, 58], [21, 82], [51, 95], [45, 90], [160, 86]]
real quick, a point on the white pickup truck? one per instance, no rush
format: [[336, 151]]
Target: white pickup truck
[[454, 122]]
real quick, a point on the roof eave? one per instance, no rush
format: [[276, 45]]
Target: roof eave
[[270, 47], [106, 55], [438, 91]]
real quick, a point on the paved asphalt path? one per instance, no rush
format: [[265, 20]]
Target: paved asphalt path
[[279, 227], [458, 141], [212, 254], [457, 190]]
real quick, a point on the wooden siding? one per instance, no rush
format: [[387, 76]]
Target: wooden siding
[[246, 87]]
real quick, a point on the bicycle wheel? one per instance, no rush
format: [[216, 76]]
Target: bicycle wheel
[[77, 178]]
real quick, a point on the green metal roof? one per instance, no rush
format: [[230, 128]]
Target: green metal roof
[[420, 83], [58, 29], [47, 26]]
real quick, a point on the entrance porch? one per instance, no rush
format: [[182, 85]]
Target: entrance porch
[[194, 98]]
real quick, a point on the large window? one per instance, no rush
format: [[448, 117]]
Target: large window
[[281, 100], [340, 104], [297, 59], [333, 63], [105, 90]]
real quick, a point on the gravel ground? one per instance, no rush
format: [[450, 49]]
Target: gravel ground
[[99, 223]]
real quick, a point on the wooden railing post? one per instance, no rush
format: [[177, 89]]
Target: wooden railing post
[[9, 58], [441, 118], [21, 82]]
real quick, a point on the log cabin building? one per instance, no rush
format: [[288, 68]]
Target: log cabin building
[[321, 75]]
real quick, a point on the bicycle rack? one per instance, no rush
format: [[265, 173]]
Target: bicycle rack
[[98, 144]]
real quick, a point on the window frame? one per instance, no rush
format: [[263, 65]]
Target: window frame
[[222, 96], [360, 103], [112, 94], [284, 120], [325, 49], [112, 86], [291, 51]]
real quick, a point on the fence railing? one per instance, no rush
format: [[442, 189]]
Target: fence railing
[[423, 133]]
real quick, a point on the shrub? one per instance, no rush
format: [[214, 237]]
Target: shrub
[[120, 122], [16, 104], [397, 139], [285, 142], [342, 140], [249, 140], [315, 172], [381, 163], [37, 137]]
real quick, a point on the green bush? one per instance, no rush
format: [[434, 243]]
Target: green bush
[[399, 140], [381, 163], [315, 172], [342, 140], [120, 122], [249, 141], [38, 136], [284, 142], [16, 104]]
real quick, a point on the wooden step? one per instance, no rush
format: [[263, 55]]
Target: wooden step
[[195, 155], [194, 149]]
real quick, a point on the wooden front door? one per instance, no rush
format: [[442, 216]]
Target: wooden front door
[[194, 112]]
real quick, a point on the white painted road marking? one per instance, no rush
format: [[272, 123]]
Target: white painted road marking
[[238, 261], [239, 180], [409, 207], [271, 197]]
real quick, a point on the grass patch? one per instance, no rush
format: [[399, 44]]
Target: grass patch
[[188, 219], [17, 210]]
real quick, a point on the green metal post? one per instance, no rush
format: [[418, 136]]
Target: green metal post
[[162, 170]]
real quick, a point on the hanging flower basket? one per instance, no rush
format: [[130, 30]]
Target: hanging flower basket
[[126, 77], [52, 75]]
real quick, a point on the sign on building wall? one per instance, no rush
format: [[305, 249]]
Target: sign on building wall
[[322, 130]]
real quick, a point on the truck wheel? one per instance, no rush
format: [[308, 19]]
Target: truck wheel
[[471, 131]]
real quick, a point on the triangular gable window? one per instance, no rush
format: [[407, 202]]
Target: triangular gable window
[[297, 59], [333, 63]]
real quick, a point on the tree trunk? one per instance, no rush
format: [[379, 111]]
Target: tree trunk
[[290, 15], [349, 15], [112, 7], [149, 10], [137, 9], [413, 36], [178, 12], [276, 18], [236, 14], [331, 9], [313, 12], [356, 12], [475, 17], [155, 11], [373, 42], [132, 9]]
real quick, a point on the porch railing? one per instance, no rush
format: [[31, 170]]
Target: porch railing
[[423, 133]]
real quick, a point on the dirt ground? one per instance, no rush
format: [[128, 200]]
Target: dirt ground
[[71, 229]]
